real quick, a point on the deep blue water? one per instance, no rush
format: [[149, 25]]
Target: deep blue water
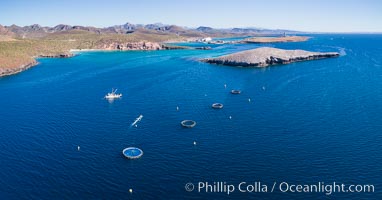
[[315, 121]]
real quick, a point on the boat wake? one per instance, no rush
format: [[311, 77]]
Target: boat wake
[[342, 51]]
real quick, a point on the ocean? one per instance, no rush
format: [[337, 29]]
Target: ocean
[[306, 123]]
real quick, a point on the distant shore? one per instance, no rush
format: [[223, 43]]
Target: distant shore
[[163, 46], [275, 39]]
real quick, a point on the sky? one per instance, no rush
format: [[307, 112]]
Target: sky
[[301, 15]]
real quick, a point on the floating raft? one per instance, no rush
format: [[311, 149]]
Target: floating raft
[[132, 152], [235, 91], [188, 123], [217, 105]]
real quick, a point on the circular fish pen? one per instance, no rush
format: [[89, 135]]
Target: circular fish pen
[[188, 123], [235, 91], [217, 105], [132, 152]]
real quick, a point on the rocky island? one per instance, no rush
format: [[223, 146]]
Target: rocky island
[[266, 56]]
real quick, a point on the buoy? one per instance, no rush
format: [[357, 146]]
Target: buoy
[[131, 190], [78, 148], [249, 100], [177, 108], [132, 152], [230, 117], [194, 143], [235, 91], [188, 123], [217, 105], [225, 85]]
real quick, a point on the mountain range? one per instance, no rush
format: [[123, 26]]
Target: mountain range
[[36, 30]]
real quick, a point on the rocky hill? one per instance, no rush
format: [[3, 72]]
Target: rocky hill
[[6, 34], [266, 56], [37, 31]]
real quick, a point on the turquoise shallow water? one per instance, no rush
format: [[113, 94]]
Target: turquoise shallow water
[[313, 121]]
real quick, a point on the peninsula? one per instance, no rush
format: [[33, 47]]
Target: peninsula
[[275, 39], [266, 56]]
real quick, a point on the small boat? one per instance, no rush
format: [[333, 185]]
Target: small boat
[[138, 119], [113, 95]]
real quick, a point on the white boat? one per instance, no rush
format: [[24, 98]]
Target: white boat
[[138, 119], [113, 95]]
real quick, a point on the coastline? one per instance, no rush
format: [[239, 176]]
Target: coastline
[[12, 71], [26, 66], [164, 46], [72, 52], [133, 46]]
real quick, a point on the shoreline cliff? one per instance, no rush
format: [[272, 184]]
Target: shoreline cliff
[[11, 71], [20, 68]]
